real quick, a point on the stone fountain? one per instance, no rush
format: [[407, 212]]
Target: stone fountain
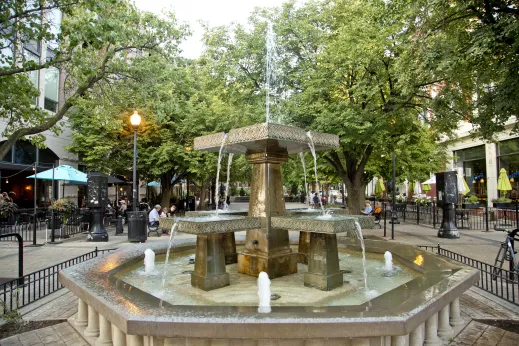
[[113, 310]]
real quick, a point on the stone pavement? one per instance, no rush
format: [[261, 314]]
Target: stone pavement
[[475, 303]]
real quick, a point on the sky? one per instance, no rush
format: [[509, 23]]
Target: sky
[[215, 12]]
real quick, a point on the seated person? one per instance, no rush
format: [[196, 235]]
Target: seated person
[[153, 217], [378, 208], [172, 210], [164, 212], [367, 208]]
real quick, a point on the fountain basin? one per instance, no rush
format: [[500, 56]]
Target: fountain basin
[[396, 315], [220, 212]]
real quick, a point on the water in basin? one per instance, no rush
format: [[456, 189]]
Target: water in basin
[[243, 290]]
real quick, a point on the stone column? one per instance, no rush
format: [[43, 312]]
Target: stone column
[[174, 342], [492, 174], [229, 245], [267, 249], [105, 332], [157, 341], [431, 330], [416, 336], [134, 340], [119, 338], [400, 340], [444, 328], [92, 329], [455, 313], [82, 314]]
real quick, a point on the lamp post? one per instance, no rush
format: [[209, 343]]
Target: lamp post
[[135, 120]]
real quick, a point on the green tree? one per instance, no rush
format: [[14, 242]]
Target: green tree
[[472, 47], [92, 47]]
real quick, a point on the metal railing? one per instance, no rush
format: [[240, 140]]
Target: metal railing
[[32, 287], [481, 218], [497, 281]]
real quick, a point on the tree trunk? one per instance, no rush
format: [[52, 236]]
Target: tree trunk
[[355, 198], [204, 191], [165, 183]]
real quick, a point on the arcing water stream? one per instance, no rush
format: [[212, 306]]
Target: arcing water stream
[[302, 156], [312, 149], [171, 238], [218, 171], [229, 162]]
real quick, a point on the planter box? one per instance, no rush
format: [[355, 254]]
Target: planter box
[[470, 205], [504, 205]]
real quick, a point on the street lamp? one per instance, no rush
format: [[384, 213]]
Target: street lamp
[[135, 120]]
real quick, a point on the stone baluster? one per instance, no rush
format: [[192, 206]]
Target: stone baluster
[[444, 329], [82, 314], [360, 342], [92, 330], [119, 338], [431, 331], [400, 340], [416, 336], [455, 313], [174, 342], [134, 340], [105, 332]]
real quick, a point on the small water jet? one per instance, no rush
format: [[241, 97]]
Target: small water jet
[[264, 293], [369, 293], [388, 265], [149, 261]]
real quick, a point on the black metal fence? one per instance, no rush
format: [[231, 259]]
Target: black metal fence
[[481, 218], [32, 287], [497, 281]]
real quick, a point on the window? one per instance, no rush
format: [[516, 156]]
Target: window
[[473, 162], [508, 158], [51, 89]]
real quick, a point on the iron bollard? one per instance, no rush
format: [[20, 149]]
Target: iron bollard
[[119, 227]]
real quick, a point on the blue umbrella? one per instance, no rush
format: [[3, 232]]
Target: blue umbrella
[[154, 183], [62, 172]]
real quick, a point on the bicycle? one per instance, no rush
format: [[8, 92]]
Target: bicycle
[[507, 253]]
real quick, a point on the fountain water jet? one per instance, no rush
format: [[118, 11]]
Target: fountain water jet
[[170, 243], [264, 293], [388, 265], [149, 261]]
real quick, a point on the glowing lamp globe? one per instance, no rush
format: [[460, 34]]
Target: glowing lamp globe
[[135, 119]]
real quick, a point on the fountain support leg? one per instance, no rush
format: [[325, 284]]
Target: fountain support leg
[[209, 273], [323, 263], [304, 244], [229, 245], [267, 249]]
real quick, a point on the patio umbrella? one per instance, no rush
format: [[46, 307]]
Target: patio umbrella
[[503, 184], [63, 172], [430, 180], [154, 183], [379, 187], [463, 188], [426, 187], [417, 189]]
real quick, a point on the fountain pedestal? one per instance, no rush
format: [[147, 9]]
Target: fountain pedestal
[[323, 263], [267, 249], [210, 272]]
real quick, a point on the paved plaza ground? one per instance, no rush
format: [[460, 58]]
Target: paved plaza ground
[[478, 307]]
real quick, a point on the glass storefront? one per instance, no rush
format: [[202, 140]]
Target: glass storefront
[[473, 162], [508, 158]]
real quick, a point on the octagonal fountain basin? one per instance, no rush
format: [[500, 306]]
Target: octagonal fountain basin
[[117, 301]]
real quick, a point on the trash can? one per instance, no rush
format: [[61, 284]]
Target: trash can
[[137, 226]]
